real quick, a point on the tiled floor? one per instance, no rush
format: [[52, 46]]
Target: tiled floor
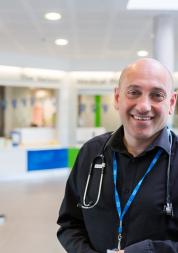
[[31, 209]]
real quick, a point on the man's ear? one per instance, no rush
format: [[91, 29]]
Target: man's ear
[[116, 98], [173, 103]]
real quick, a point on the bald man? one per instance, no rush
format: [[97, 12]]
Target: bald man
[[136, 208]]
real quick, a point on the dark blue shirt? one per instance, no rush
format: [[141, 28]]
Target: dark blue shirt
[[145, 227]]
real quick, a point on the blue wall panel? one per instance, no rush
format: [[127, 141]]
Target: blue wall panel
[[47, 159]]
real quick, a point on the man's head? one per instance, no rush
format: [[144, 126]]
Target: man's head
[[144, 98]]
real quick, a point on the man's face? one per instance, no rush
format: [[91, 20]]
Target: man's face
[[144, 101]]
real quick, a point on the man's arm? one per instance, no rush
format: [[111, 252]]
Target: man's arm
[[72, 233]]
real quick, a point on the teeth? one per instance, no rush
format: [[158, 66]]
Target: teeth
[[141, 117]]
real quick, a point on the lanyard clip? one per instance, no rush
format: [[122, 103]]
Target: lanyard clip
[[119, 241], [168, 209]]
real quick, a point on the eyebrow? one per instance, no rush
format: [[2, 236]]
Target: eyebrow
[[140, 87], [133, 86]]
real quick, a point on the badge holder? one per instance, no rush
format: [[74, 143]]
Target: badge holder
[[112, 251]]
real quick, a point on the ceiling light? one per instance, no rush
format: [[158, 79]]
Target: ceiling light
[[152, 5], [142, 53], [53, 16], [61, 42]]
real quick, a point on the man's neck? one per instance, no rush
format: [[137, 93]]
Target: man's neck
[[136, 146]]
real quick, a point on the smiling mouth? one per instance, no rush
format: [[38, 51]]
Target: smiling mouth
[[142, 117]]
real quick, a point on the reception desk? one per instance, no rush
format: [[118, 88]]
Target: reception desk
[[34, 136], [36, 149], [18, 161]]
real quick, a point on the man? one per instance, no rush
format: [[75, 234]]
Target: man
[[136, 210]]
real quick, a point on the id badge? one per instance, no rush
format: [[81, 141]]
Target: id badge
[[112, 250]]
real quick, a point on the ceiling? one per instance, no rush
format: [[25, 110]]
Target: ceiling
[[102, 34]]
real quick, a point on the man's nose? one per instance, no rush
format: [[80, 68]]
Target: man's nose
[[143, 104]]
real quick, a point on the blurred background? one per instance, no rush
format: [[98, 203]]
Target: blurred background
[[59, 63]]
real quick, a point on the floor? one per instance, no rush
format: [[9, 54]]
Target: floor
[[30, 206]]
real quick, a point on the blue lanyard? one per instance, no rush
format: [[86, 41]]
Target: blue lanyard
[[133, 194]]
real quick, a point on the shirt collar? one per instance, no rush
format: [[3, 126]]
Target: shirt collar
[[162, 140]]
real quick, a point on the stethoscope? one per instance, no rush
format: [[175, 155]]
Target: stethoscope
[[99, 163]]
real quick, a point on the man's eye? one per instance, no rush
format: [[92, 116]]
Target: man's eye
[[158, 96], [133, 93]]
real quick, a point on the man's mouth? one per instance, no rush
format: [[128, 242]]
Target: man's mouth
[[142, 117]]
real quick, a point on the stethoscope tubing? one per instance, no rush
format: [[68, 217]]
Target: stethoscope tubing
[[101, 166]]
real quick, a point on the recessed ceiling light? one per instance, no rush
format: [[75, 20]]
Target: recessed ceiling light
[[142, 53], [152, 5], [53, 16], [61, 42]]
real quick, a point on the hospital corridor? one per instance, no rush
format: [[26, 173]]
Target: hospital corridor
[[62, 64]]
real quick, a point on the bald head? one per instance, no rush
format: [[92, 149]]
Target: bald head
[[144, 100], [147, 67]]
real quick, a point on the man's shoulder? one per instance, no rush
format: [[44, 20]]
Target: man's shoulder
[[174, 140], [99, 139], [94, 146], [174, 135]]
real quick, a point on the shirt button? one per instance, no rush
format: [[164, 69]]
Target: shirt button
[[126, 190], [132, 160]]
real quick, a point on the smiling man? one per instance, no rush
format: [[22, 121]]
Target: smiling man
[[144, 99], [127, 201]]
